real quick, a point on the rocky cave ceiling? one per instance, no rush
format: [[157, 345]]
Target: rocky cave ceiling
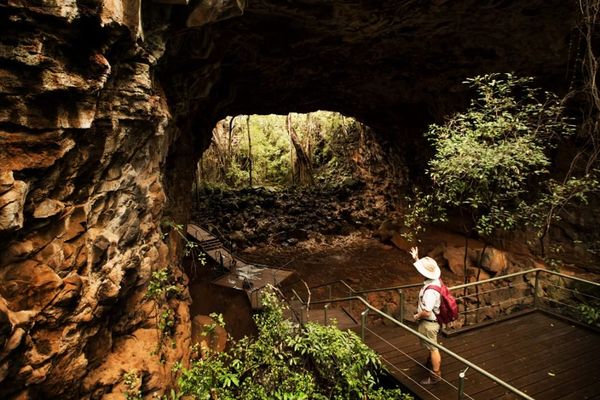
[[395, 65]]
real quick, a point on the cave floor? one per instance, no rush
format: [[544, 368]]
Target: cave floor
[[360, 260]]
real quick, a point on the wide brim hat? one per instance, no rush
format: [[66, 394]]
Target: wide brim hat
[[428, 267]]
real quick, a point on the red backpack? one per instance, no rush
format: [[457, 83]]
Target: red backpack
[[448, 307]]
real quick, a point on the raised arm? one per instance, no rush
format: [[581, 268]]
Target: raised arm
[[414, 252]]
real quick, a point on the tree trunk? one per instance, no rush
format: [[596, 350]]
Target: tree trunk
[[485, 245], [465, 274], [309, 138], [304, 169], [223, 155], [230, 138], [249, 151]]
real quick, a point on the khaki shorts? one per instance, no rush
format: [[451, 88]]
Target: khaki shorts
[[429, 329]]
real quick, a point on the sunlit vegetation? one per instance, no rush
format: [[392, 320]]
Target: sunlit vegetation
[[279, 150]]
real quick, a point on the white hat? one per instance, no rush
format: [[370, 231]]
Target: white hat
[[428, 267]]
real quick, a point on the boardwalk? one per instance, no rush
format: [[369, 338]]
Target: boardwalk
[[241, 275], [543, 356]]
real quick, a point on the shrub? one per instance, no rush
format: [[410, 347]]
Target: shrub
[[287, 361]]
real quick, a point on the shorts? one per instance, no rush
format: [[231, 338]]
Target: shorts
[[430, 329]]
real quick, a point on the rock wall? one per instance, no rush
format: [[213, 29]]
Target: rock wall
[[84, 137]]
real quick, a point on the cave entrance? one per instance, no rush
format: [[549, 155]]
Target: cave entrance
[[304, 192], [289, 178]]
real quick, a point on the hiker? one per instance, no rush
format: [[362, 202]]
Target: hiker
[[428, 307]]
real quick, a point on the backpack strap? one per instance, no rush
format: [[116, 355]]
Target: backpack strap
[[433, 287]]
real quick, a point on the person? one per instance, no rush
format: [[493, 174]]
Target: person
[[428, 306]]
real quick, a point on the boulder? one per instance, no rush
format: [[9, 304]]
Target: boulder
[[455, 258], [493, 260], [299, 234], [237, 237], [386, 230]]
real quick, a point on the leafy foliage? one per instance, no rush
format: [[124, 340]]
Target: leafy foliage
[[591, 314], [327, 138], [162, 287], [492, 161], [191, 248], [488, 158], [287, 361], [132, 382]]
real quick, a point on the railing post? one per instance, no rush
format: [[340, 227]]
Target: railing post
[[325, 308], [302, 311], [401, 314], [329, 292], [363, 323], [536, 288], [461, 383]]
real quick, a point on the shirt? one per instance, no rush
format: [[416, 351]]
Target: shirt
[[430, 300]]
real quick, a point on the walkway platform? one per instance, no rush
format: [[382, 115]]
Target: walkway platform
[[241, 275], [541, 355]]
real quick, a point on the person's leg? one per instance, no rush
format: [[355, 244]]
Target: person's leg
[[431, 330], [428, 361], [436, 362], [435, 373]]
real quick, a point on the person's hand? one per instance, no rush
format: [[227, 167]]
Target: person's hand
[[414, 252], [416, 317]]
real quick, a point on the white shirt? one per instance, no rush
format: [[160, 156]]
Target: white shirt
[[429, 300]]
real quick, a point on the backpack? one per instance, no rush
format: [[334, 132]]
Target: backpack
[[448, 307]]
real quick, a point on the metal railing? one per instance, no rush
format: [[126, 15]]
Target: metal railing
[[534, 288], [539, 289], [363, 328]]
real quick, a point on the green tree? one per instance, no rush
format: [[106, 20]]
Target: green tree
[[491, 162]]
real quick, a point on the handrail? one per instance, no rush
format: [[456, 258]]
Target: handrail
[[333, 283], [462, 286], [385, 289], [569, 277], [496, 278], [494, 378], [425, 338], [529, 271]]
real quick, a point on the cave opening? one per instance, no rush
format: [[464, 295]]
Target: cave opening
[[296, 191]]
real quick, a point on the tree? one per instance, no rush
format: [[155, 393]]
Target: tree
[[491, 162], [304, 168], [249, 152], [270, 155]]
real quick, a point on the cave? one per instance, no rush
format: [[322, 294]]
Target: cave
[[106, 105]]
